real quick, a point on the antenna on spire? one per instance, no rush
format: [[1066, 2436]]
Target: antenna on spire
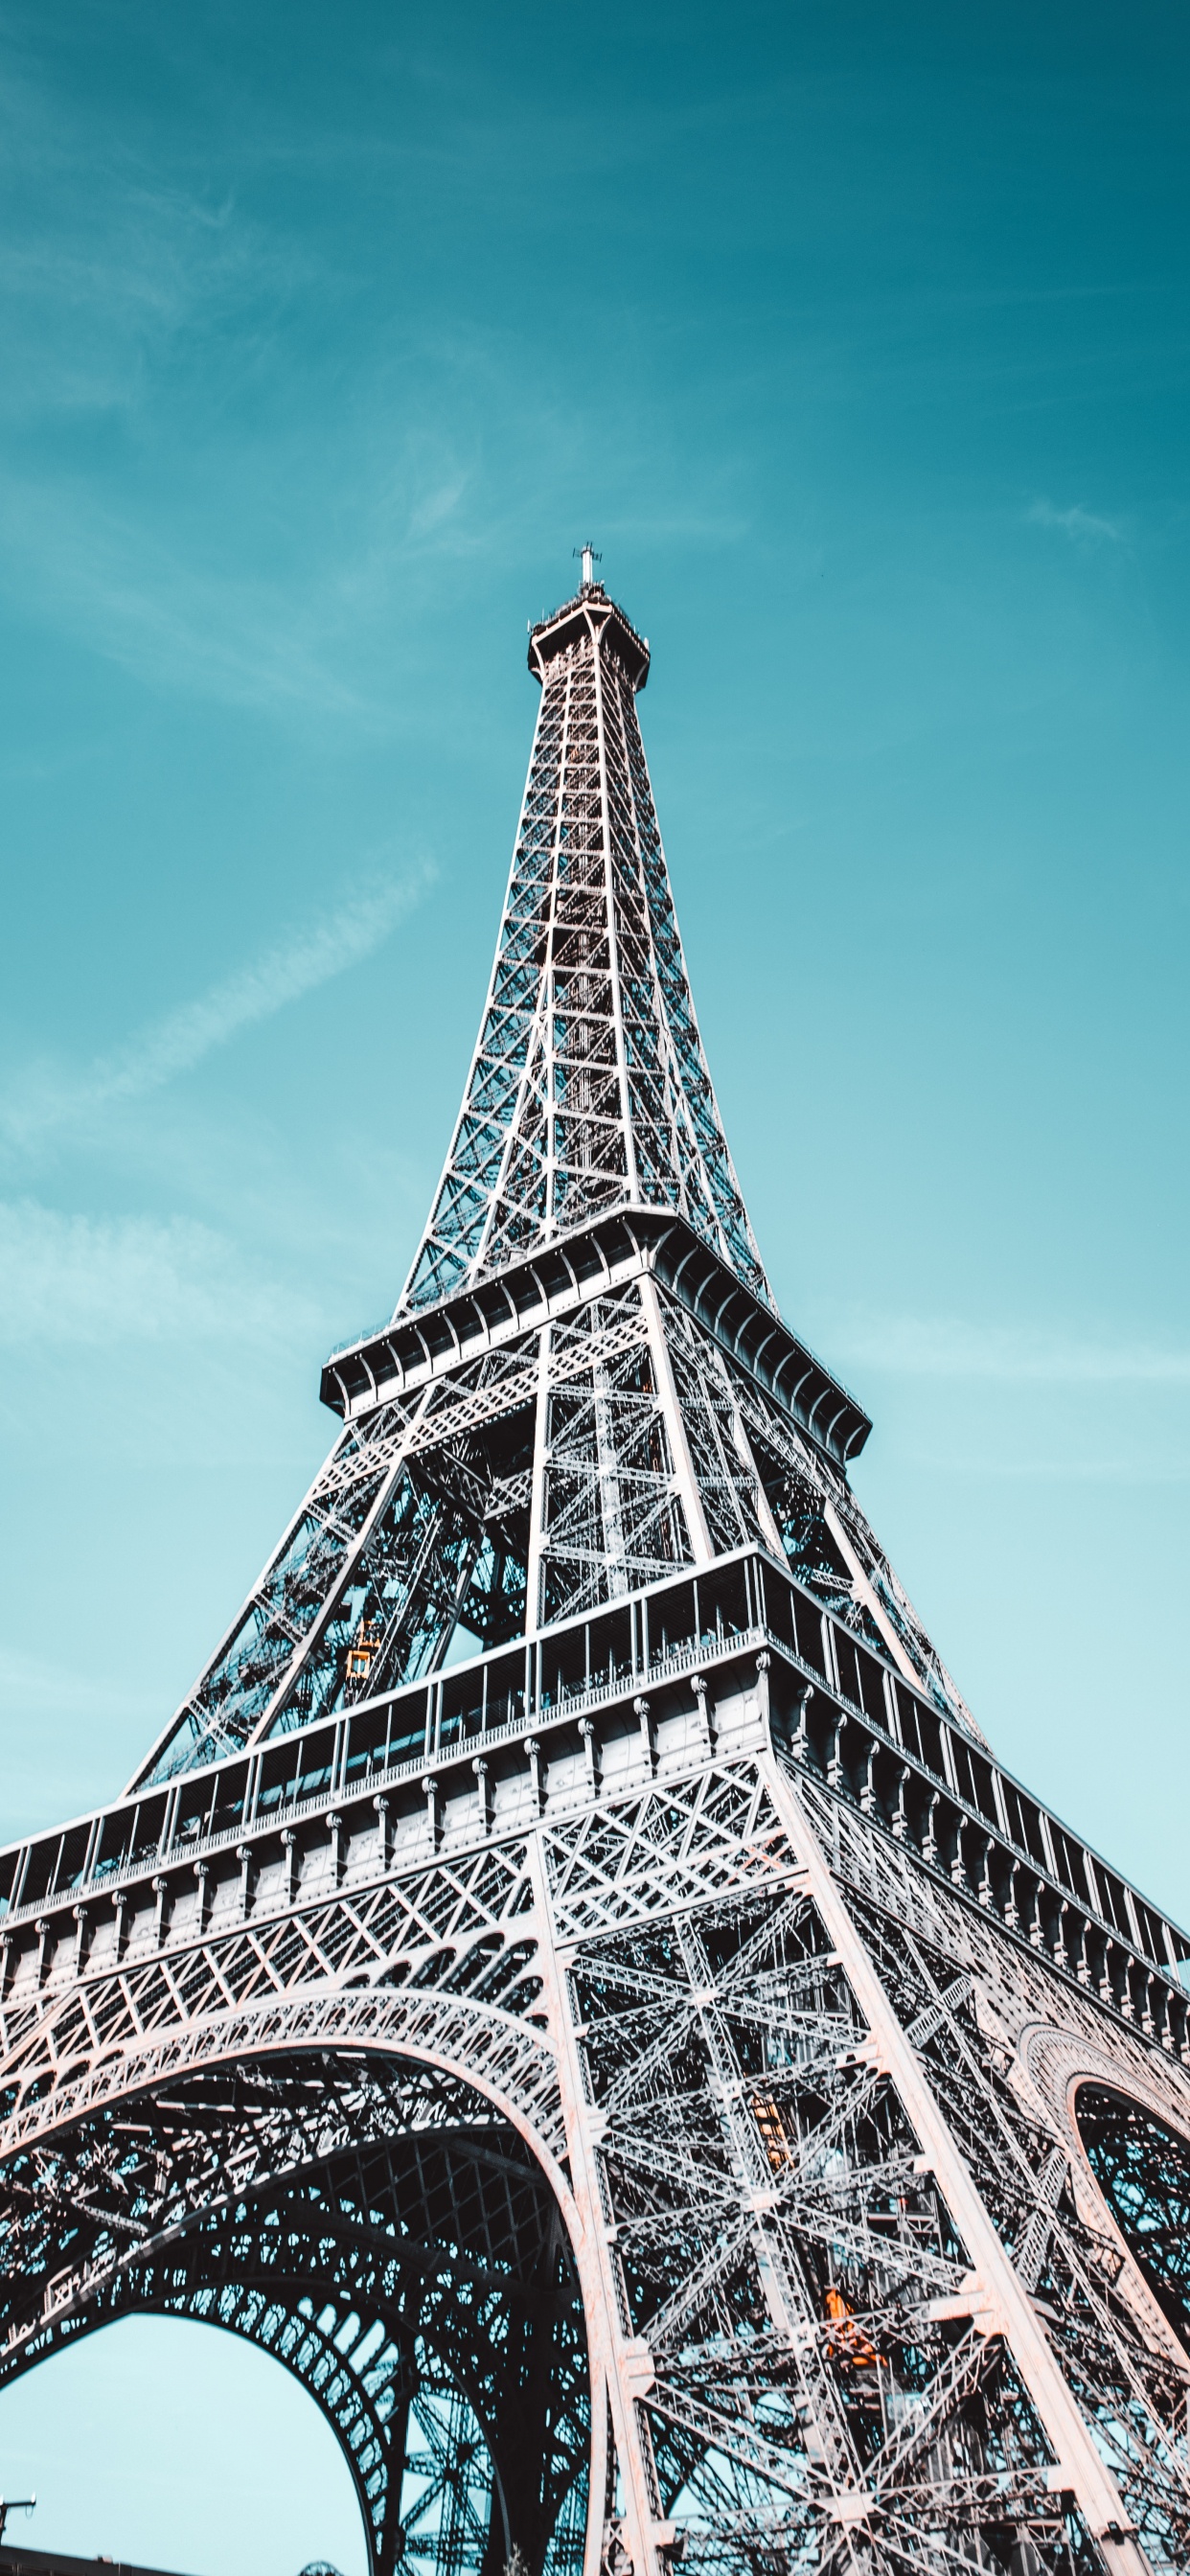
[[590, 559]]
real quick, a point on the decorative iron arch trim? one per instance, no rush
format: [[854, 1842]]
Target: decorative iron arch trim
[[1056, 2063], [515, 2068], [193, 2259]]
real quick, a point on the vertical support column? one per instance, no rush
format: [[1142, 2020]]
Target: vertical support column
[[611, 1504], [586, 1728], [679, 1446], [537, 1504], [621, 2369], [334, 1826], [433, 1808], [999, 2298], [545, 1029], [766, 1517], [799, 1742], [866, 1592], [539, 1037], [706, 1715], [867, 1784], [632, 1177]]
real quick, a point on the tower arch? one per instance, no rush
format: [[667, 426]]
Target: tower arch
[[1141, 2163], [407, 2261]]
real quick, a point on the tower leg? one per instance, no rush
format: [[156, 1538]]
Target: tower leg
[[999, 2301], [620, 2374], [525, 2498]]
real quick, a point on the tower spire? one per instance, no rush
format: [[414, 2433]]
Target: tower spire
[[585, 1383], [589, 1087]]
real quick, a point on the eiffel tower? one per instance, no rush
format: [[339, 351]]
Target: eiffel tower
[[573, 1982]]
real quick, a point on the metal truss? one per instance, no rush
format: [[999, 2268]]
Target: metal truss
[[589, 1085], [817, 1523], [572, 1982], [415, 2279], [566, 1468], [717, 2058], [1142, 2167]]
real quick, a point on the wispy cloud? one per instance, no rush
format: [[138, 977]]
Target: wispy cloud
[[1084, 527], [236, 636], [112, 258], [43, 1689], [74, 1280], [50, 1101], [944, 1347]]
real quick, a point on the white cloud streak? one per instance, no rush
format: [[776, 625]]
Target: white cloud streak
[[238, 638], [44, 1690], [49, 1102], [70, 1281], [1082, 526], [916, 1346]]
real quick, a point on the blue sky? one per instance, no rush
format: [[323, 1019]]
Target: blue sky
[[859, 339]]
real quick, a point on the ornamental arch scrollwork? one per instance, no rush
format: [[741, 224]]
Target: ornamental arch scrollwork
[[380, 2224]]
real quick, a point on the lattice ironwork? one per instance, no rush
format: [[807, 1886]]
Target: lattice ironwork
[[380, 2233], [1143, 2169], [572, 1982], [589, 1084]]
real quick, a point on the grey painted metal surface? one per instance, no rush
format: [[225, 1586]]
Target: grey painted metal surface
[[573, 1981]]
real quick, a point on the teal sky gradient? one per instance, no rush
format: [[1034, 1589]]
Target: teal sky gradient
[[859, 340]]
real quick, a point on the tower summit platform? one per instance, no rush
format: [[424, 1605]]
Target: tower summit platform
[[593, 616]]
